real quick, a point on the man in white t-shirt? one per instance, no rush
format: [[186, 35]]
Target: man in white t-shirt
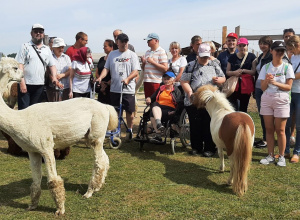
[[155, 64], [123, 65]]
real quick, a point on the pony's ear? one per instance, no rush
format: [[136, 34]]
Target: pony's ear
[[197, 99]]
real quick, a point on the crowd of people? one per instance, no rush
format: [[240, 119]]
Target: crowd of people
[[273, 78]]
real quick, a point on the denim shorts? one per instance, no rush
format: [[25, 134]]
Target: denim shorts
[[276, 104]]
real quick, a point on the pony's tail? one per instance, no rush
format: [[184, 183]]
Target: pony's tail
[[242, 155], [113, 118]]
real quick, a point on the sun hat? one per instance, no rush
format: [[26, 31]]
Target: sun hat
[[242, 41], [58, 42], [204, 50], [152, 36]]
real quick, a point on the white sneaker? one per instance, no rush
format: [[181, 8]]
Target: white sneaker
[[281, 161], [266, 161]]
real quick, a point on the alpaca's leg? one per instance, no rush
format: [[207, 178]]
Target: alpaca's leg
[[229, 182], [221, 156], [55, 183], [101, 167], [36, 169]]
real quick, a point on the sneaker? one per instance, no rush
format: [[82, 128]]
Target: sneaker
[[128, 135], [208, 154], [156, 140], [266, 161], [160, 127], [281, 161], [261, 144], [292, 140]]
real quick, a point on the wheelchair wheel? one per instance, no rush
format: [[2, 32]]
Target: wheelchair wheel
[[184, 125], [117, 144]]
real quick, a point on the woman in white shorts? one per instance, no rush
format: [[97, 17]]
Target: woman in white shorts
[[276, 82]]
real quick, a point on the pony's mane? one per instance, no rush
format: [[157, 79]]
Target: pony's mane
[[222, 101]]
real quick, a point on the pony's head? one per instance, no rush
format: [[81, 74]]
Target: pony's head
[[203, 95]]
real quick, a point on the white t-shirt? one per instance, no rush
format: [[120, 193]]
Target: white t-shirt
[[295, 60], [279, 73], [120, 65], [81, 80], [181, 62]]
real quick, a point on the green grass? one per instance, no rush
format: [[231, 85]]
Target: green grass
[[153, 185]]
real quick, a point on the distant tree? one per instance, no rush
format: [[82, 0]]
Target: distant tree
[[13, 55]]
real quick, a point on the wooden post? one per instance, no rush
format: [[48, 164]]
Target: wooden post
[[238, 31], [224, 34]]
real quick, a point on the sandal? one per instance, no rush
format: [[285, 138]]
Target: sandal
[[295, 159]]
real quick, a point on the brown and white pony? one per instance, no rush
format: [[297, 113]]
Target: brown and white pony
[[230, 130]]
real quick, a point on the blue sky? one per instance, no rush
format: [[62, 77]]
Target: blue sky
[[175, 20]]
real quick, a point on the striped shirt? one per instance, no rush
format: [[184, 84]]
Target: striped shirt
[[151, 73]]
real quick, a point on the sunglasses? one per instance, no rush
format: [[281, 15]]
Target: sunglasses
[[242, 45], [41, 31]]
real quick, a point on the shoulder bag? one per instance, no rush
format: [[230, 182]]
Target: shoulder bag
[[231, 82], [47, 69]]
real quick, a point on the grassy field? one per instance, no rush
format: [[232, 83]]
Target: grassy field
[[153, 185]]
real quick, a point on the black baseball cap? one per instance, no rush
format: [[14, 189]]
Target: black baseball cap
[[278, 45], [123, 37]]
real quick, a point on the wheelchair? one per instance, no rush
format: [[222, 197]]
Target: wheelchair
[[176, 127]]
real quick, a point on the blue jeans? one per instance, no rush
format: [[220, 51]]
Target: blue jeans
[[295, 108], [32, 96], [258, 94]]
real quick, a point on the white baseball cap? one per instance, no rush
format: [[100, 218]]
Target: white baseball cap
[[204, 50], [37, 26], [58, 42]]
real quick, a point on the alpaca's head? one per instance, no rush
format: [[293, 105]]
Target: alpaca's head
[[9, 71], [203, 95]]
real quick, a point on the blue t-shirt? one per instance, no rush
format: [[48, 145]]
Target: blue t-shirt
[[223, 58]]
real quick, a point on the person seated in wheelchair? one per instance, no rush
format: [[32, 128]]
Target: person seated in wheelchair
[[164, 103]]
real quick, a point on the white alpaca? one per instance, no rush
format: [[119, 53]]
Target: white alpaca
[[43, 127], [9, 90]]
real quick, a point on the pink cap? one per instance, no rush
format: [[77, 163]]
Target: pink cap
[[242, 41], [234, 35]]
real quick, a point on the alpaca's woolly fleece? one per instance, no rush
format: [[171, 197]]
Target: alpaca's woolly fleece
[[41, 128]]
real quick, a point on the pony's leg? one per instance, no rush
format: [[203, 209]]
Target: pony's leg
[[55, 183], [229, 181], [36, 169], [221, 156], [101, 167]]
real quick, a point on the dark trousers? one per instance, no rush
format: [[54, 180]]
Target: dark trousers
[[84, 95], [55, 95], [32, 96], [243, 98], [199, 120]]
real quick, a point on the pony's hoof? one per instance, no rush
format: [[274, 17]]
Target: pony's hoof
[[88, 195], [31, 207], [229, 183], [60, 212]]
